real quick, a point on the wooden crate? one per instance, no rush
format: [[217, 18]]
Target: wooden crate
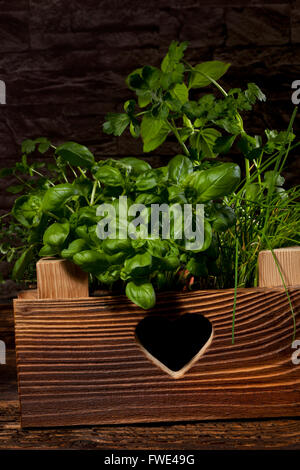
[[79, 362]]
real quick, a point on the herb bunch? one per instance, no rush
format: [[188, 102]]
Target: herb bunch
[[55, 212]]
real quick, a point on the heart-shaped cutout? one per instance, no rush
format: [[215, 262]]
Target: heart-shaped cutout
[[174, 345]]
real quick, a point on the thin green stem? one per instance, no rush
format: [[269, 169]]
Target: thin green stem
[[72, 169], [247, 168], [93, 192], [174, 129], [235, 286], [82, 172], [192, 69]]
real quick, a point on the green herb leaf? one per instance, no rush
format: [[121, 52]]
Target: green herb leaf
[[135, 165], [206, 71], [137, 267], [153, 132], [116, 123], [27, 210], [22, 263], [141, 293], [179, 167], [110, 176], [28, 146], [56, 196], [75, 154], [180, 92], [223, 144], [91, 261], [56, 234], [214, 183]]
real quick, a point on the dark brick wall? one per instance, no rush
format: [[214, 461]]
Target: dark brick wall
[[64, 63]]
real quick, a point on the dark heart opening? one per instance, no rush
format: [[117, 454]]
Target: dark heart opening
[[174, 343]]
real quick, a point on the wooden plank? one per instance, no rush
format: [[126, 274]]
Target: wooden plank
[[79, 362], [289, 262], [60, 279], [215, 435]]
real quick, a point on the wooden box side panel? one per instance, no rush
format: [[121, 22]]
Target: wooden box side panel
[[79, 363]]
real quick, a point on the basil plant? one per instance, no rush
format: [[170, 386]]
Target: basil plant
[[60, 217]]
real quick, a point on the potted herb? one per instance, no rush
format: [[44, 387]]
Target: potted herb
[[56, 216], [66, 210]]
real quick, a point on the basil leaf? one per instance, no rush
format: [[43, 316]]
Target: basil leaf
[[215, 182], [48, 250], [114, 246], [56, 234], [138, 266], [147, 199], [141, 293], [179, 167], [57, 196], [110, 176], [74, 247], [146, 181], [135, 165], [91, 261], [75, 154]]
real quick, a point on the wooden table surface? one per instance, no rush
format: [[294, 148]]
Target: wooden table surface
[[234, 435]]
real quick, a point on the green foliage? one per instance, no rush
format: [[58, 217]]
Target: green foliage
[[75, 154], [205, 127], [55, 212], [61, 220]]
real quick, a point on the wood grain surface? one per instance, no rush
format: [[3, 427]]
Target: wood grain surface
[[289, 262], [60, 279], [79, 363], [231, 435]]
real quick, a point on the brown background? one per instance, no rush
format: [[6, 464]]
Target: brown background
[[64, 63]]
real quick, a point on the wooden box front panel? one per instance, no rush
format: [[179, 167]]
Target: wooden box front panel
[[79, 363]]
